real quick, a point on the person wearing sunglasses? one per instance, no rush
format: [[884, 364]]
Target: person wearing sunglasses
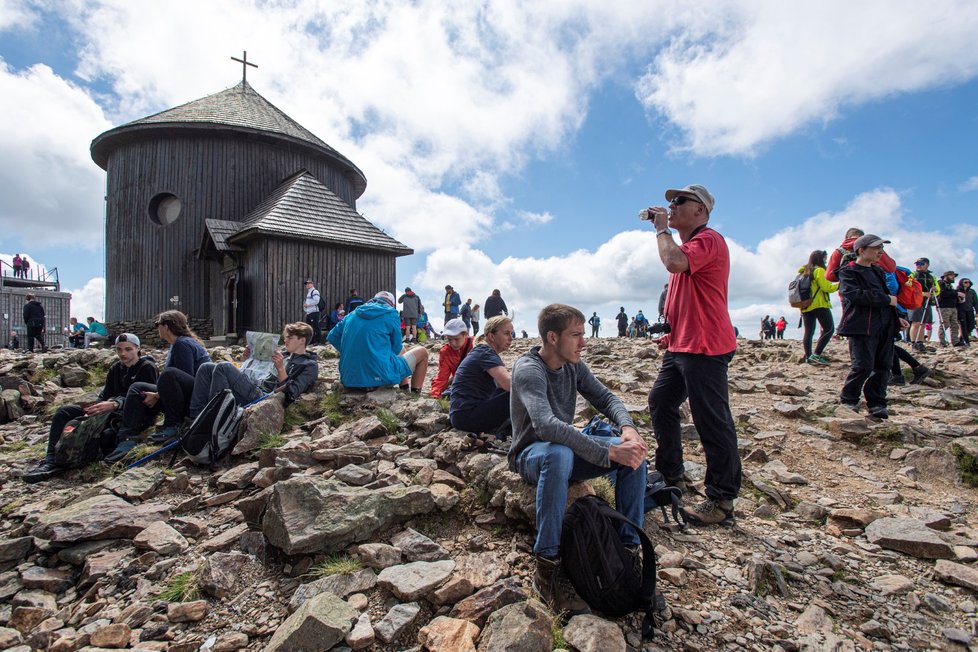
[[967, 305], [699, 346]]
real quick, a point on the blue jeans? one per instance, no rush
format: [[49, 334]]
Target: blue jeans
[[212, 378], [552, 467]]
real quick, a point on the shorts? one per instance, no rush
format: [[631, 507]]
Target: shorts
[[923, 315], [410, 321]]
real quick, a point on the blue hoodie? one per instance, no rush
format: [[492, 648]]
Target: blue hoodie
[[369, 342]]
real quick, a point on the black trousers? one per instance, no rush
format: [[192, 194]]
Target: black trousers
[[871, 358], [967, 320], [485, 417], [312, 319], [35, 333], [61, 417], [175, 388], [827, 325], [900, 354], [703, 379]]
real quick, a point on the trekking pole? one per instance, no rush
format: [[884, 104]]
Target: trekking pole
[[154, 454]]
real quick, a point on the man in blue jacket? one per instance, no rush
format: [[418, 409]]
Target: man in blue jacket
[[371, 351]]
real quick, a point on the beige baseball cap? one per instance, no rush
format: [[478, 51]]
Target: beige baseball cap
[[696, 191]]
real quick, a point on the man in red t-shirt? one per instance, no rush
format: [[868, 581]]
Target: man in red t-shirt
[[699, 348]]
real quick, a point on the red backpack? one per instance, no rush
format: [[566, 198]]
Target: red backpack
[[911, 292]]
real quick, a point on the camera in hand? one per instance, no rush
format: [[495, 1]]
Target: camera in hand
[[660, 328]]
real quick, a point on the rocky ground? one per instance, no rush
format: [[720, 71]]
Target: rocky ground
[[369, 523]]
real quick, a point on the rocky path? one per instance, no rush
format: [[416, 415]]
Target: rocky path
[[369, 523]]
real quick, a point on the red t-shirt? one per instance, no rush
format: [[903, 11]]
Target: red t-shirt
[[696, 305]]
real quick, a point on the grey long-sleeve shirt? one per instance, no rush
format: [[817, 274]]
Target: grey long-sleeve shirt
[[542, 402]]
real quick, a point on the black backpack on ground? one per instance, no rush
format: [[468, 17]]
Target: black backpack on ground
[[600, 567], [214, 432], [86, 439], [659, 493]]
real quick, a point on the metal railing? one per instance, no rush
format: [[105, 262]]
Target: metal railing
[[40, 276]]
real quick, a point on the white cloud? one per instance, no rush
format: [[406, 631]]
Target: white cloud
[[89, 300], [16, 14], [52, 189], [746, 73], [969, 185], [535, 218]]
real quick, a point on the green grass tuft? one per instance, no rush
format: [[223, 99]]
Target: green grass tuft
[[331, 409], [43, 374], [271, 440], [96, 472], [336, 565], [11, 506], [557, 632], [96, 378], [969, 469], [389, 420], [183, 587], [294, 417]]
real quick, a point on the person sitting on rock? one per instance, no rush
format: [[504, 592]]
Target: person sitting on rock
[[130, 368], [371, 351], [293, 373], [480, 393], [550, 453], [171, 393], [97, 332], [77, 330], [14, 341], [450, 356]]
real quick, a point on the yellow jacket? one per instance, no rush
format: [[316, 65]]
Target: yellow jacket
[[821, 289]]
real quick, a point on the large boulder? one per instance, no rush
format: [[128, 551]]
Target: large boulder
[[518, 627], [73, 376], [909, 536], [310, 514], [98, 517]]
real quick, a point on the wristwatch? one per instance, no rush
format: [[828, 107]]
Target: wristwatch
[[663, 231]]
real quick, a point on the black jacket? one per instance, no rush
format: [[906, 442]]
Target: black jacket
[[120, 378], [33, 310], [866, 308], [948, 298], [303, 371], [494, 306]]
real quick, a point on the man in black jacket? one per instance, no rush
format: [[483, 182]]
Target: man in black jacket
[[947, 305], [869, 321], [34, 321]]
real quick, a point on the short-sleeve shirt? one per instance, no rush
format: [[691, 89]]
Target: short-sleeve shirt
[[696, 305], [473, 384]]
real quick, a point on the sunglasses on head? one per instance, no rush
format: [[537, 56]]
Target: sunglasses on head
[[682, 199]]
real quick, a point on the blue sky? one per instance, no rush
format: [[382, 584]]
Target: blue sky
[[513, 146]]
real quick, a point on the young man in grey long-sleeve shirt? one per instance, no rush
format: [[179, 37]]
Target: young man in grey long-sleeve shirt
[[550, 453]]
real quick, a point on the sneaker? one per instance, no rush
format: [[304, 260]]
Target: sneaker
[[121, 450], [823, 359], [43, 471], [852, 406], [918, 346], [879, 412], [815, 359], [896, 381], [920, 373], [555, 588], [961, 345], [711, 512], [164, 435]]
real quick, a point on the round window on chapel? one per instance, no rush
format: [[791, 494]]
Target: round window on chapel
[[164, 208]]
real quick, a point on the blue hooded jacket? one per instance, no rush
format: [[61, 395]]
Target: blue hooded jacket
[[369, 342]]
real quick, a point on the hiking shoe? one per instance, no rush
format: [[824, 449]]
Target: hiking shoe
[[920, 373], [852, 406], [896, 380], [164, 434], [556, 590], [816, 359], [879, 412], [121, 450], [823, 359], [918, 346], [711, 512], [961, 345], [43, 471]]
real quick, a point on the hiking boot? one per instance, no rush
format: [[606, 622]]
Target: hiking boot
[[711, 512], [121, 450], [920, 373], [852, 406], [164, 435], [556, 590], [961, 345], [896, 380], [918, 346], [879, 412], [43, 471]]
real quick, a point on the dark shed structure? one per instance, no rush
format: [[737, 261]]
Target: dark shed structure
[[223, 206]]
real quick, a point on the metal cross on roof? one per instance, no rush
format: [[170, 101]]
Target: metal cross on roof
[[244, 64]]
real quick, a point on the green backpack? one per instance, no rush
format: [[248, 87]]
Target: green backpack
[[85, 440]]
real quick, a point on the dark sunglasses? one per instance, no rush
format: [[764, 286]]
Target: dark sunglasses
[[682, 199], [919, 264]]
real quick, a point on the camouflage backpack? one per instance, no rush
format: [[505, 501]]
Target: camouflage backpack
[[85, 440]]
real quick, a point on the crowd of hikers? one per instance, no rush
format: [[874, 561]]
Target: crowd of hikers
[[528, 412]]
